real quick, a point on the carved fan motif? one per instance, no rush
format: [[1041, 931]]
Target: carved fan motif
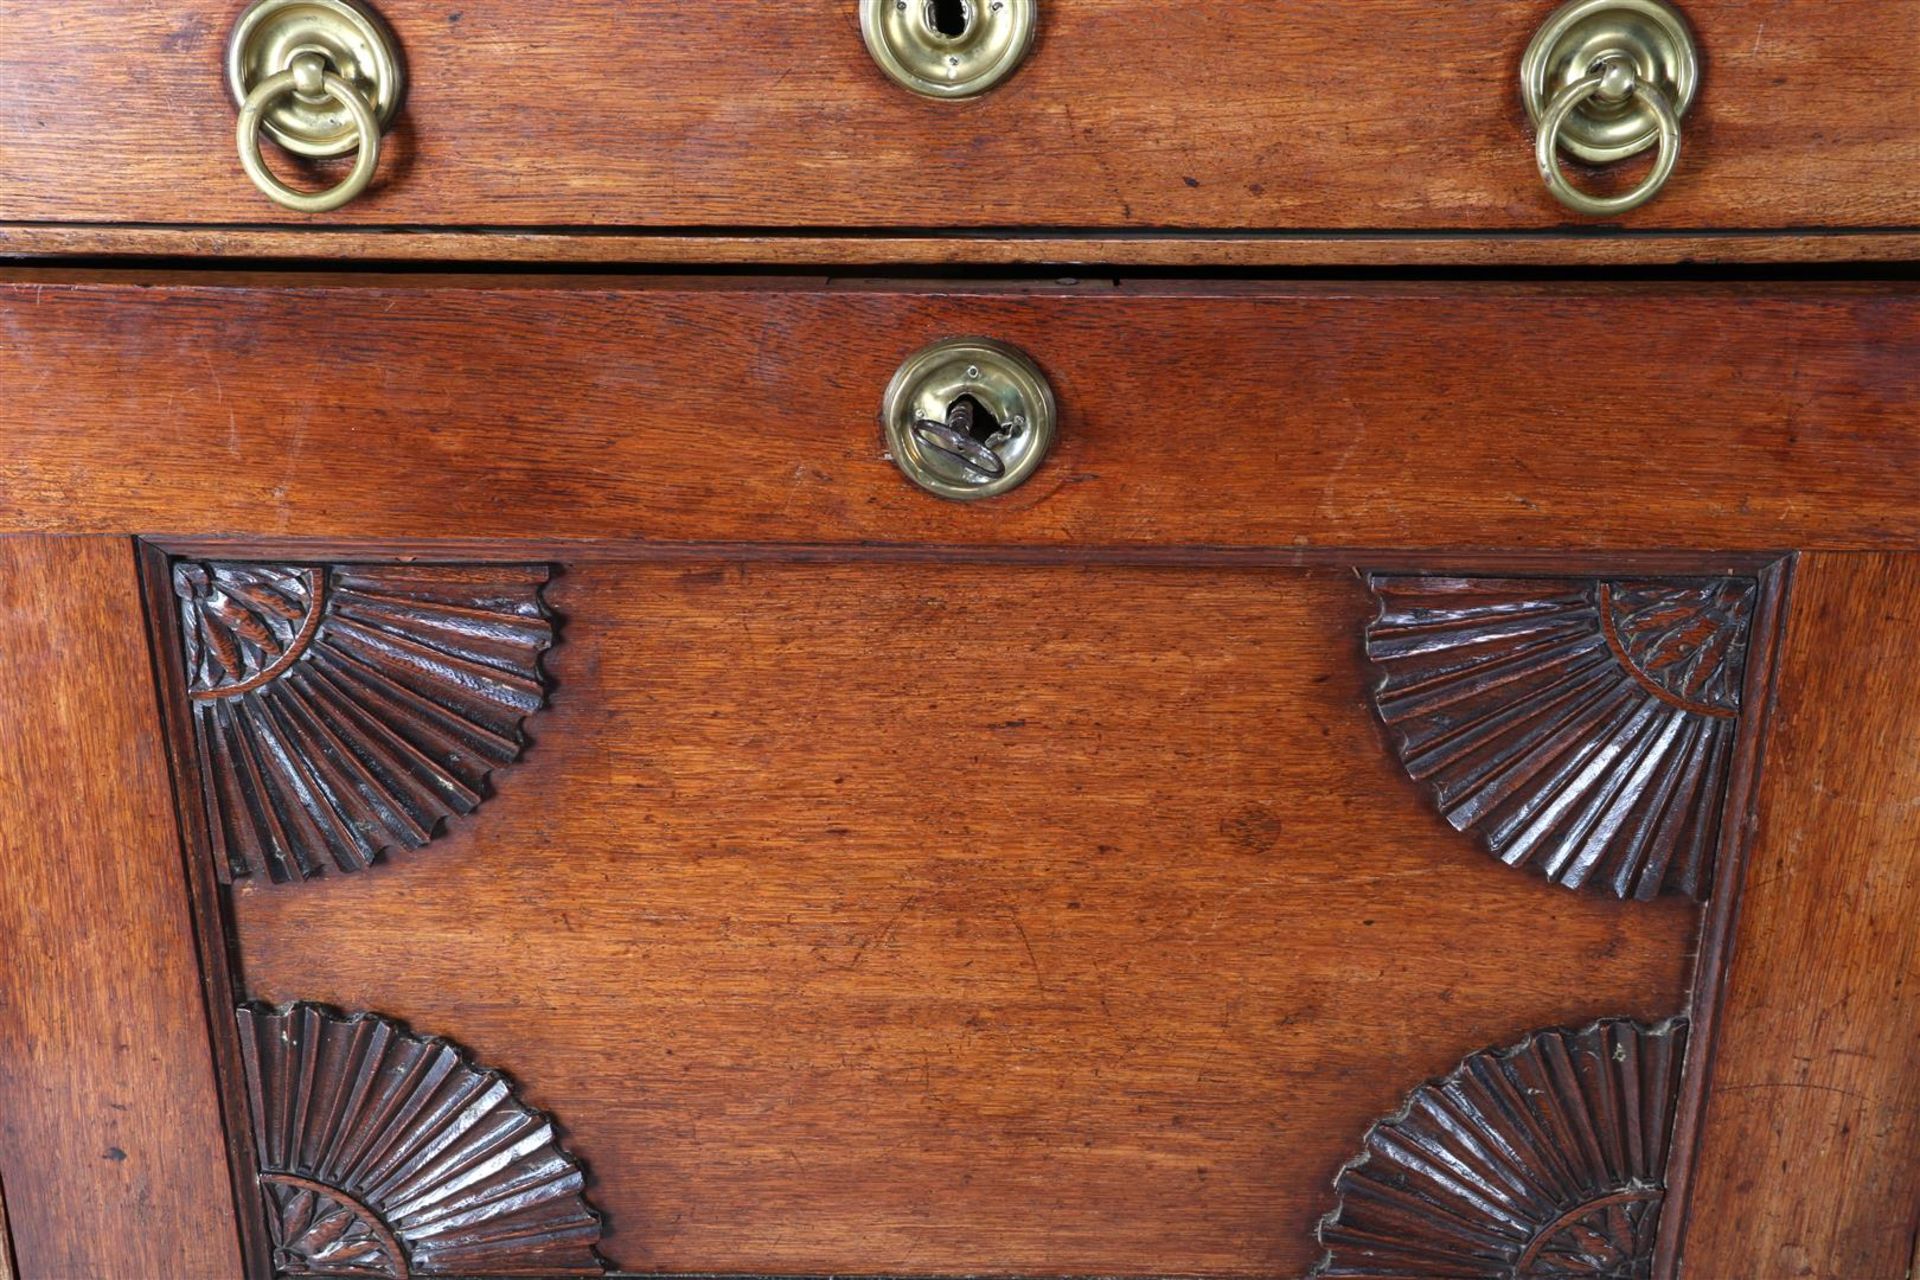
[[386, 1154], [1547, 1160], [343, 712], [318, 1231], [1585, 728]]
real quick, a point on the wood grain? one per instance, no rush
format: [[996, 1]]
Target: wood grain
[[1562, 416], [1228, 114], [1809, 1161], [110, 1132], [794, 250], [961, 919]]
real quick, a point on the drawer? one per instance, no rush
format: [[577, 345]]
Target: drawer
[[1226, 116], [609, 811], [1259, 418]]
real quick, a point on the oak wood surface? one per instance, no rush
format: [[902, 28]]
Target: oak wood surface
[[1811, 1157], [792, 250], [110, 1132], [1230, 114], [951, 919], [1727, 417]]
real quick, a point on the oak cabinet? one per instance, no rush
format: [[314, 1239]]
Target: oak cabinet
[[958, 639]]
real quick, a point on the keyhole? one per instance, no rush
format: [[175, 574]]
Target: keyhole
[[985, 425], [950, 18]]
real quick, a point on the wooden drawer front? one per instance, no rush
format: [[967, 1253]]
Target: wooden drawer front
[[1225, 114], [1266, 419]]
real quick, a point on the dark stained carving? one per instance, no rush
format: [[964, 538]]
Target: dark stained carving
[[1546, 1160], [382, 1153], [341, 712], [1584, 728], [319, 1231]]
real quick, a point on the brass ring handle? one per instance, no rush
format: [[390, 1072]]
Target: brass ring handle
[[1604, 80], [1614, 80], [309, 78]]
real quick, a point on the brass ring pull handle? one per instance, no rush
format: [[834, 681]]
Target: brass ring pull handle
[[1604, 80], [309, 79], [1614, 81], [319, 77]]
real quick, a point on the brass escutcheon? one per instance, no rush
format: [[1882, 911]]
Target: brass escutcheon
[[969, 418], [1604, 80], [948, 48], [319, 77]]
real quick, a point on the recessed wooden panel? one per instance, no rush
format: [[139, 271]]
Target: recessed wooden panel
[[948, 919], [1227, 114], [110, 1127], [1241, 415]]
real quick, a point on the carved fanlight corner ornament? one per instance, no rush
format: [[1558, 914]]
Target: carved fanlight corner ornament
[[339, 712], [1582, 727], [1546, 1160], [385, 1154]]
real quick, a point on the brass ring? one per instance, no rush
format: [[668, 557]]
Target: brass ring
[[248, 134], [1547, 149]]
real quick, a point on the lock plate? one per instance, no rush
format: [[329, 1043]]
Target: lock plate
[[1649, 34], [355, 45], [1009, 407], [948, 48]]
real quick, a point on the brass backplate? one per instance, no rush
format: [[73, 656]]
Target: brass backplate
[[356, 45], [1650, 33], [1001, 379], [948, 48]]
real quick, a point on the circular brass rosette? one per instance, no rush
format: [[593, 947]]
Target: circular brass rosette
[[1604, 80], [353, 44], [1656, 47], [969, 418], [948, 48]]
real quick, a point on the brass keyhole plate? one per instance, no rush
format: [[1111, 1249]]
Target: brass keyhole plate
[[1000, 379], [357, 47], [905, 40], [1649, 33]]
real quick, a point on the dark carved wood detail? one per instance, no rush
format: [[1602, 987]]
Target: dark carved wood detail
[[322, 1231], [1546, 1160], [341, 712], [383, 1153], [1584, 728]]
